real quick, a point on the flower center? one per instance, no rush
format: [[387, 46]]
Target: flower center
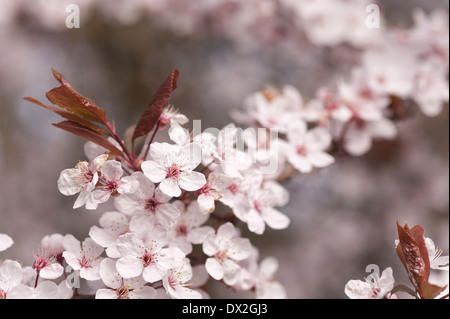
[[40, 262], [375, 291], [302, 151], [233, 188], [173, 171], [85, 263], [220, 255], [437, 253], [2, 294], [172, 282], [257, 206], [111, 187], [151, 205], [148, 259], [122, 292], [182, 230]]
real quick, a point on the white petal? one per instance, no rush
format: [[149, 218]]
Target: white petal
[[274, 218], [69, 181], [5, 242], [112, 170], [206, 203], [144, 292], [154, 171], [240, 248], [114, 221], [109, 274], [152, 273], [231, 272], [170, 187], [167, 214], [52, 271], [106, 294], [91, 249], [129, 267], [268, 267], [191, 181], [129, 245], [301, 163], [91, 273], [357, 142], [128, 185], [46, 290], [20, 292], [72, 259], [209, 245], [11, 271], [103, 237], [320, 159], [357, 289], [198, 235], [226, 231], [72, 245], [318, 139], [255, 222], [214, 268]]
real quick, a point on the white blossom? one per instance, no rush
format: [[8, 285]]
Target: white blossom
[[225, 250], [172, 166]]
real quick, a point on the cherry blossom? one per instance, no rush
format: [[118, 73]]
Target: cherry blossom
[[172, 166], [53, 245], [112, 226], [307, 148], [266, 286], [169, 197], [376, 288], [257, 209], [46, 265], [83, 257], [272, 108], [176, 282], [171, 116], [44, 290], [146, 256], [121, 288], [188, 229], [225, 250], [208, 195], [10, 277], [81, 179], [437, 261], [148, 203], [112, 183]]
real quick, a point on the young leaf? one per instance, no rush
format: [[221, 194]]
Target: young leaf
[[66, 97], [413, 253], [408, 250], [70, 116], [89, 135], [153, 111]]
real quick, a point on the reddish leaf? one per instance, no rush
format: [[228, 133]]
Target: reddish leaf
[[430, 291], [413, 253], [89, 135], [70, 116], [153, 111], [67, 97], [408, 250]]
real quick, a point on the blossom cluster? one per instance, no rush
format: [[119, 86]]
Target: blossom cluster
[[180, 207], [161, 241], [420, 256]]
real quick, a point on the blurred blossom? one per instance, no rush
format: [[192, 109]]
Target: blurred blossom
[[283, 64]]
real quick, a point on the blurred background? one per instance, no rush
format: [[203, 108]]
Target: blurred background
[[343, 217]]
